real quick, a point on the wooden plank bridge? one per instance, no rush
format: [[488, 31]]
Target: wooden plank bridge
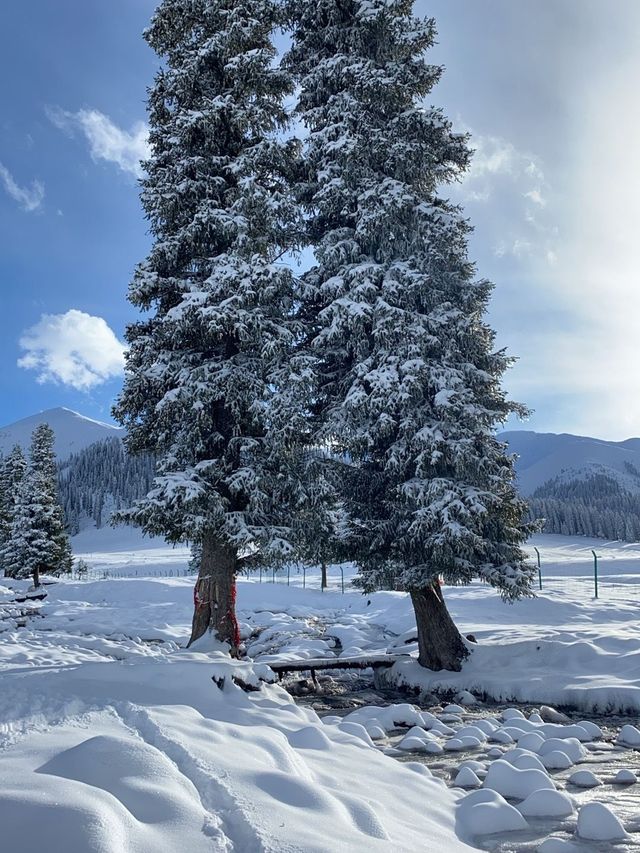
[[312, 665]]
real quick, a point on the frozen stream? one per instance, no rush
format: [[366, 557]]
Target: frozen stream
[[603, 757]]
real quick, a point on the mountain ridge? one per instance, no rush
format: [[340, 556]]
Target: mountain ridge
[[73, 431], [543, 457]]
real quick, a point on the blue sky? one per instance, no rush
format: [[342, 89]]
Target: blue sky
[[548, 91]]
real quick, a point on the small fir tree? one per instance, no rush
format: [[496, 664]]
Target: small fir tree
[[408, 380], [206, 367], [39, 542], [12, 471]]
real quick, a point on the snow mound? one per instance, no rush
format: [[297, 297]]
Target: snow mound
[[523, 760], [511, 782], [512, 714], [474, 731], [500, 736], [531, 741], [109, 793], [486, 812], [569, 746], [596, 822], [416, 744], [309, 737], [546, 804], [625, 777], [557, 760], [466, 778], [358, 731], [629, 736], [391, 717], [584, 779]]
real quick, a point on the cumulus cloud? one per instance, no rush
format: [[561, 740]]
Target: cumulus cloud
[[29, 198], [75, 349], [107, 141]]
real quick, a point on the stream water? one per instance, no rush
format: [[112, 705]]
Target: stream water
[[341, 695]]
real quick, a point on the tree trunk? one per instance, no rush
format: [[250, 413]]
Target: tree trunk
[[36, 577], [323, 575], [440, 645], [215, 593]]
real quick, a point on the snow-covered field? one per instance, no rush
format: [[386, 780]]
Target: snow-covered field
[[114, 738]]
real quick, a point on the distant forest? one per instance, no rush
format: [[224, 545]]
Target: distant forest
[[103, 478], [97, 481], [597, 506]]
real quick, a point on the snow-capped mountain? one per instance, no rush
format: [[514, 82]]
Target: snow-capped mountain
[[74, 432], [547, 456]]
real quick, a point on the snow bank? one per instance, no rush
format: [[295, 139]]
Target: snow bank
[[149, 754]]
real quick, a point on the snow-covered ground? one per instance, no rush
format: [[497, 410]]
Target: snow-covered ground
[[114, 738]]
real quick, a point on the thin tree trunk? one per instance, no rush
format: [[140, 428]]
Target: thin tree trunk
[[323, 576], [440, 645], [36, 577], [214, 595]]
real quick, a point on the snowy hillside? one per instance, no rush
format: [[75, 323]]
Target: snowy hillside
[[546, 456], [73, 431]]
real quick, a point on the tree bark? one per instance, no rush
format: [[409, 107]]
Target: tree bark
[[440, 645], [214, 594], [323, 575], [36, 577]]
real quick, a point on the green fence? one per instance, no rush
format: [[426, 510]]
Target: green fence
[[595, 578]]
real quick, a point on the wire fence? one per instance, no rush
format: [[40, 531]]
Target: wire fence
[[337, 577], [595, 578], [97, 574], [299, 575]]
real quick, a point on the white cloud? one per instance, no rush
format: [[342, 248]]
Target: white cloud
[[29, 198], [493, 156], [496, 158], [512, 187], [107, 141], [75, 349]]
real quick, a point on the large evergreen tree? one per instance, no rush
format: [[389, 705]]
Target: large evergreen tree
[[408, 379], [205, 367], [38, 540], [12, 471]]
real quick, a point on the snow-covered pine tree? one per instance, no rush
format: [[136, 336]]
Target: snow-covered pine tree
[[12, 471], [205, 366], [320, 516], [39, 542], [408, 376]]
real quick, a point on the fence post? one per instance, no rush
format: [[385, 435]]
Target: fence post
[[595, 572], [539, 570]]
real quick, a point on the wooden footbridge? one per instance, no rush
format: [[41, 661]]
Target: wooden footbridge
[[312, 665]]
